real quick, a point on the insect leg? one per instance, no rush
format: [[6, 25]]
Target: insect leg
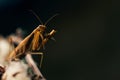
[[33, 65], [40, 53]]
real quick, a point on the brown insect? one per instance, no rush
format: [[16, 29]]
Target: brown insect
[[33, 42]]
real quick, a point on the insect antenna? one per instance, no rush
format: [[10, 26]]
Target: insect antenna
[[50, 18], [36, 16]]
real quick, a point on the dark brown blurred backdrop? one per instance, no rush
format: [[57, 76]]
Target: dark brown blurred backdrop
[[87, 43]]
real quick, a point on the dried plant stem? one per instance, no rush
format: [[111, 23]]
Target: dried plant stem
[[31, 62]]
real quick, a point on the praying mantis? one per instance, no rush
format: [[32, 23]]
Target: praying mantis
[[29, 44], [33, 42]]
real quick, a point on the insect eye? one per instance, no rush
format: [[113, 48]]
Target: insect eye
[[15, 74], [42, 28]]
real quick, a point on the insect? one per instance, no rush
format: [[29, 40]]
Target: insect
[[33, 42]]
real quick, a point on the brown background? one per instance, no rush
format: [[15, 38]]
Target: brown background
[[87, 43]]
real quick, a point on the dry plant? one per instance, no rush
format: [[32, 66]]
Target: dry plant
[[33, 42]]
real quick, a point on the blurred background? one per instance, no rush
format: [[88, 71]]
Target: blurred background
[[87, 43]]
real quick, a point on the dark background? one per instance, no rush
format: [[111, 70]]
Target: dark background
[[87, 43]]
